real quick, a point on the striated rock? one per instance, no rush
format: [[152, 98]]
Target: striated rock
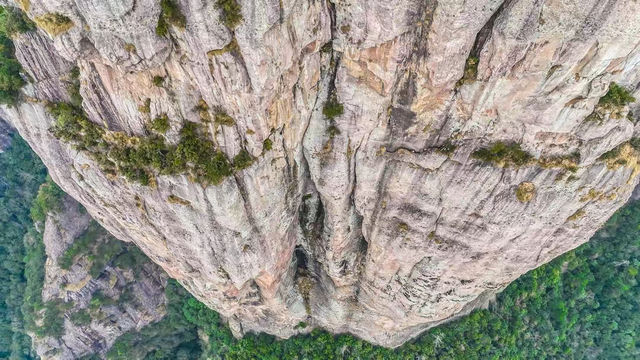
[[139, 290], [380, 219]]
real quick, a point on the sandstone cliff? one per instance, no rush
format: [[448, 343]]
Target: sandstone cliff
[[383, 165]]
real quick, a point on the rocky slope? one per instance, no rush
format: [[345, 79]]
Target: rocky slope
[[394, 163], [98, 292], [5, 135]]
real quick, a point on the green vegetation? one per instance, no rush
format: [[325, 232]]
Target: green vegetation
[[161, 124], [140, 159], [146, 107], [525, 191], [222, 118], [170, 15], [568, 162], [158, 80], [470, 71], [74, 87], [80, 317], [333, 131], [582, 305], [622, 154], [327, 48], [12, 22], [612, 103], [80, 245], [617, 96], [131, 258], [243, 160], [503, 154], [108, 248], [171, 338], [99, 300], [97, 246], [332, 108], [21, 176], [54, 23], [54, 320], [231, 12], [447, 148], [267, 145], [48, 199], [231, 47]]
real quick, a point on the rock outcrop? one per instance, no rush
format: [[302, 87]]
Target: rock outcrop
[[5, 135], [402, 161], [98, 292]]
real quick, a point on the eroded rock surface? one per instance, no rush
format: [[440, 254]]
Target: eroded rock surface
[[378, 222], [99, 294]]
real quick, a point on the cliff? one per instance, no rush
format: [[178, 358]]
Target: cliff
[[95, 287], [371, 167]]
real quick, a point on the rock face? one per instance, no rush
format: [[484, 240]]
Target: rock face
[[98, 304], [377, 219], [5, 135]]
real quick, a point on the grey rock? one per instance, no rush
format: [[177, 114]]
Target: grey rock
[[395, 237], [139, 293]]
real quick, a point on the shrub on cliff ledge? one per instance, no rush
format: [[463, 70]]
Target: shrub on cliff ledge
[[139, 159], [48, 200], [612, 103], [332, 108], [54, 23], [502, 154], [161, 124], [231, 12], [170, 15], [243, 160], [617, 96]]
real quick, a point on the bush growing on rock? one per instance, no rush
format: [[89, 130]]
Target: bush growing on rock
[[617, 96], [332, 108], [222, 118], [243, 160], [54, 23], [503, 154], [161, 124], [170, 14], [525, 191], [139, 159], [48, 199], [231, 12]]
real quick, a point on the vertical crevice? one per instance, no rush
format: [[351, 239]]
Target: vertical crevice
[[485, 31]]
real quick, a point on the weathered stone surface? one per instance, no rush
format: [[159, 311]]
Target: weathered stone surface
[[139, 292], [394, 235]]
